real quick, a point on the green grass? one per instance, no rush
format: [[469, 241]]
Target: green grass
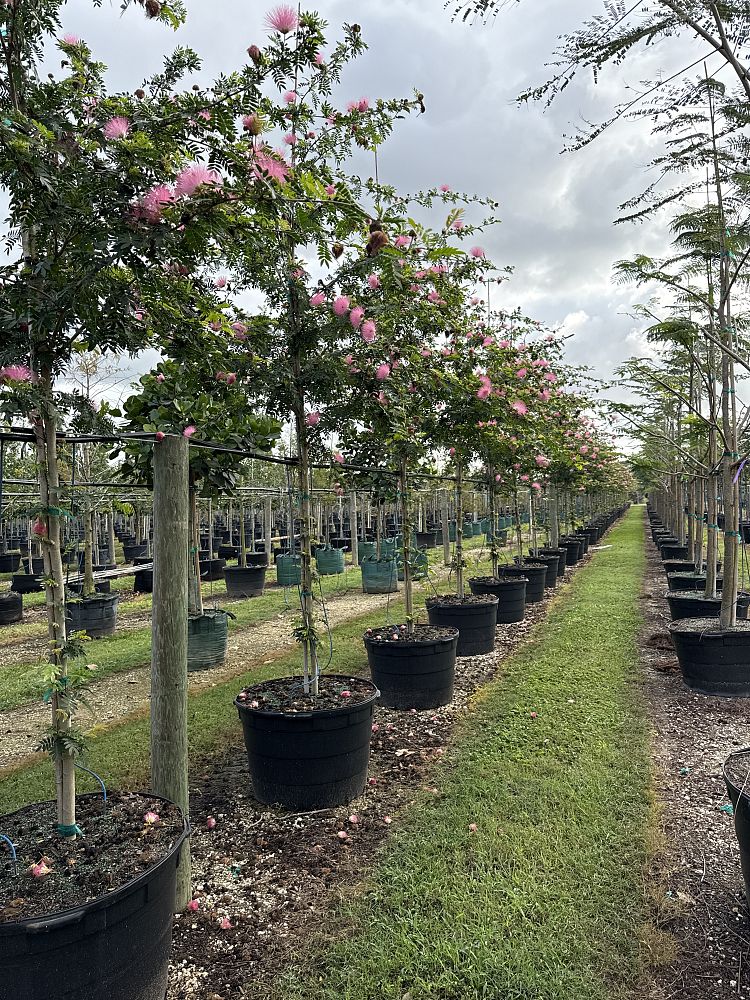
[[544, 901]]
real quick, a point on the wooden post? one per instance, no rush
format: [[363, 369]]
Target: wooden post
[[169, 679]]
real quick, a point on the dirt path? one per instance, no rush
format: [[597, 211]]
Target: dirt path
[[699, 898], [122, 693]]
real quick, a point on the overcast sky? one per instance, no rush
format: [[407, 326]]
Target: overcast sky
[[557, 211]]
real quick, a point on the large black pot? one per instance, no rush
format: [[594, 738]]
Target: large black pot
[[143, 581], [690, 581], [245, 582], [692, 604], [11, 608], [24, 584], [535, 572], [308, 760], [131, 551], [212, 569], [37, 565], [584, 540], [736, 769], [256, 559], [426, 539], [229, 552], [475, 621], [669, 551], [207, 639], [552, 562], [510, 592], [115, 947], [9, 562], [572, 548], [713, 661], [414, 674], [95, 615], [102, 587]]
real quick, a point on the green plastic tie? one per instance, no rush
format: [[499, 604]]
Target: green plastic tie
[[69, 831]]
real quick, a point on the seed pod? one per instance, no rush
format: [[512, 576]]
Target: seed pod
[[153, 8], [337, 250], [255, 54]]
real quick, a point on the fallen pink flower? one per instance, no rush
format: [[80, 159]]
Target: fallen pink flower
[[150, 818], [210, 823], [472, 827], [193, 905]]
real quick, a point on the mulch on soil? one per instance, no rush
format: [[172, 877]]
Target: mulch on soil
[[698, 893]]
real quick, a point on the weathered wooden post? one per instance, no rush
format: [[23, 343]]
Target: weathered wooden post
[[169, 679]]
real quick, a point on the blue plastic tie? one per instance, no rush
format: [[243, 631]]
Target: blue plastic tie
[[94, 775], [12, 847]]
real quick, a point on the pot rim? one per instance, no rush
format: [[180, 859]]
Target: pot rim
[[317, 713]]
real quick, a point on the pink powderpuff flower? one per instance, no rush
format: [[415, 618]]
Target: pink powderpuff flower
[[476, 252], [153, 202], [116, 128], [542, 461], [486, 341], [382, 398], [205, 115], [338, 457], [189, 431], [231, 378], [239, 329], [342, 835], [373, 281], [251, 123], [226, 924], [550, 377], [317, 299], [210, 823], [368, 331], [402, 241], [504, 344], [349, 359], [383, 372], [160, 377], [445, 188], [356, 316], [330, 190], [458, 225], [318, 59], [16, 373], [270, 164], [341, 305], [354, 819], [312, 418], [282, 19], [520, 408], [160, 435], [486, 387], [451, 452], [433, 296], [535, 486], [220, 283], [40, 869], [524, 478], [291, 97], [425, 352], [363, 104], [290, 139], [521, 373], [498, 477], [71, 39], [150, 818], [351, 106], [193, 905], [346, 694], [583, 449], [545, 395], [191, 178]]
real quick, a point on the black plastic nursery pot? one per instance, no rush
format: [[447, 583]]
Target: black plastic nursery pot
[[692, 604], [102, 587], [247, 581], [552, 562], [24, 584], [475, 617], [669, 551], [690, 581], [95, 615], [212, 569], [228, 552], [572, 548], [131, 551], [9, 562], [677, 566], [207, 639], [143, 582], [736, 770], [413, 672], [584, 540], [114, 947], [535, 572], [426, 539], [308, 759], [257, 559], [37, 565], [712, 660], [510, 592], [11, 608]]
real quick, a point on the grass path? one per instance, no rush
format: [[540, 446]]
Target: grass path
[[542, 899]]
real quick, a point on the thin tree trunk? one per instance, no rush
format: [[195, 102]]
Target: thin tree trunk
[[459, 529]]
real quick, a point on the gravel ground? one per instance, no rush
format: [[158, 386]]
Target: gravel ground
[[696, 887]]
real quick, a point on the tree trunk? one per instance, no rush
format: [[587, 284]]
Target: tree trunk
[[459, 529], [308, 640], [406, 527], [554, 520], [195, 597], [445, 520]]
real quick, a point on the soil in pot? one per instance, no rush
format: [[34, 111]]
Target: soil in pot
[[474, 615], [712, 660], [511, 594], [692, 604], [96, 615], [308, 751], [245, 581], [98, 923], [413, 671]]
